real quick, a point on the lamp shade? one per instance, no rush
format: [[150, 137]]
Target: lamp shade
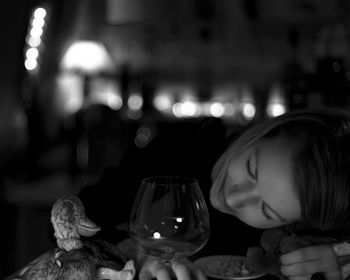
[[88, 57]]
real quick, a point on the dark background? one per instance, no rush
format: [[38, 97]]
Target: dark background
[[303, 46]]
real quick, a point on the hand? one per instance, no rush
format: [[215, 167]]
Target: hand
[[149, 267], [183, 269], [301, 264]]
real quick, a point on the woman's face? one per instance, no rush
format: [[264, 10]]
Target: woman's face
[[259, 188]]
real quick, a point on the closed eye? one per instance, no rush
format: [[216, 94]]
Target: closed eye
[[249, 168], [263, 211], [269, 213]]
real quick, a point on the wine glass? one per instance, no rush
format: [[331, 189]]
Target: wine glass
[[169, 218]]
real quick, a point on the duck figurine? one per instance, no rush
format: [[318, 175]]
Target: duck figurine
[[75, 258], [69, 221]]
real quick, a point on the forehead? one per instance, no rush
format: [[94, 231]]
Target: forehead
[[276, 180], [274, 153]]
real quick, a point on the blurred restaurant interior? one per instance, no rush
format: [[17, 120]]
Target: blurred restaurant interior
[[85, 81]]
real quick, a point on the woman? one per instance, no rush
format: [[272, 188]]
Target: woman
[[291, 171]]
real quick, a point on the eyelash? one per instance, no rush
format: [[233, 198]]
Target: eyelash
[[263, 211], [248, 169]]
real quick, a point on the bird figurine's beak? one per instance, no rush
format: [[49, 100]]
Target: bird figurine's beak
[[86, 227], [70, 222]]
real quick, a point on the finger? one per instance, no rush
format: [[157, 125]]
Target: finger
[[304, 277], [329, 276], [304, 268], [154, 269], [181, 271], [194, 270], [334, 275], [296, 270], [307, 254], [341, 249], [199, 274], [345, 269], [145, 275], [162, 274]]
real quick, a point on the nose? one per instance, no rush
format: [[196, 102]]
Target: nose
[[240, 195]]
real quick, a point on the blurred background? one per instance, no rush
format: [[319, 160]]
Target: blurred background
[[82, 82]]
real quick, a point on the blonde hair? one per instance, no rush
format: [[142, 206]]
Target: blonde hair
[[322, 127]]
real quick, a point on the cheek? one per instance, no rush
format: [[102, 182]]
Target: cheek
[[237, 169], [251, 216], [285, 203]]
